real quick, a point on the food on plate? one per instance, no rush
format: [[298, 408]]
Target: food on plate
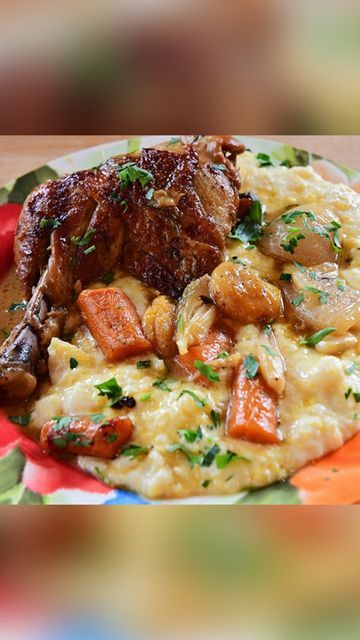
[[192, 319]]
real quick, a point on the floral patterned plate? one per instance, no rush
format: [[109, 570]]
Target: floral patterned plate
[[27, 476]]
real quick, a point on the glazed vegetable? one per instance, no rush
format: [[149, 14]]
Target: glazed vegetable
[[86, 436], [252, 412], [318, 299], [196, 314], [307, 234], [217, 342], [113, 322], [159, 326], [242, 295]]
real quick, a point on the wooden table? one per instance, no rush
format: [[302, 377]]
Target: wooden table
[[20, 154]]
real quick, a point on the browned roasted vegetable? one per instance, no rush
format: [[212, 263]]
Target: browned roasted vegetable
[[241, 295], [83, 436], [159, 326]]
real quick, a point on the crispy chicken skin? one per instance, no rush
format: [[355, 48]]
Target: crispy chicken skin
[[73, 230]]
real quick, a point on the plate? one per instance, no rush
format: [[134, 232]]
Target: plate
[[27, 476]]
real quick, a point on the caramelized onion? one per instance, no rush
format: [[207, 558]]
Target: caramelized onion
[[195, 314], [318, 298], [312, 242]]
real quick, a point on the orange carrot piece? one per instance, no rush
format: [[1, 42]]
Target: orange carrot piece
[[334, 479], [113, 322], [215, 343], [84, 437], [252, 413]]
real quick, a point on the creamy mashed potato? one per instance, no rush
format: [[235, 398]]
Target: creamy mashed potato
[[315, 415]]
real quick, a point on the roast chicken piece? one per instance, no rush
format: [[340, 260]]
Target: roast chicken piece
[[164, 213]]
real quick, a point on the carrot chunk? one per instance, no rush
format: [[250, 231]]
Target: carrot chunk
[[82, 436], [113, 322], [252, 413], [216, 342]]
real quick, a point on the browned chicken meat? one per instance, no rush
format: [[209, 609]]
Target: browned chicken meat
[[164, 213]]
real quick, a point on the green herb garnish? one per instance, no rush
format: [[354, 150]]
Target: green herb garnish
[[264, 160], [207, 371], [108, 277], [193, 459], [17, 306], [210, 456], [323, 295], [251, 366], [111, 389], [286, 277], [180, 323], [224, 459], [206, 483], [289, 218], [223, 354], [133, 451], [299, 298], [269, 351], [51, 224], [249, 229], [216, 418], [90, 249], [145, 397], [163, 384], [73, 363], [143, 364], [219, 167], [191, 435], [200, 402], [81, 242], [317, 337], [130, 173], [23, 420]]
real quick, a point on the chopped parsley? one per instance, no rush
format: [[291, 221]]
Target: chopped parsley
[[145, 397], [191, 435], [200, 402], [111, 389], [63, 422], [17, 306], [323, 295], [216, 418], [90, 249], [180, 323], [73, 363], [317, 337], [108, 277], [5, 334], [287, 277], [162, 384], [133, 451], [192, 458], [207, 371], [143, 364], [175, 141], [340, 284], [249, 229], [23, 420], [264, 160], [111, 437], [81, 242], [291, 240], [206, 483], [210, 456], [236, 260], [289, 218], [269, 351], [267, 329], [219, 167], [299, 298], [130, 172], [223, 354], [355, 394], [224, 459], [47, 222], [351, 368], [251, 366], [333, 228]]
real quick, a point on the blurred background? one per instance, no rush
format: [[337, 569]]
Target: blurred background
[[116, 66], [195, 573]]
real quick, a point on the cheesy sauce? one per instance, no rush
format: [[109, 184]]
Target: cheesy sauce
[[315, 415]]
